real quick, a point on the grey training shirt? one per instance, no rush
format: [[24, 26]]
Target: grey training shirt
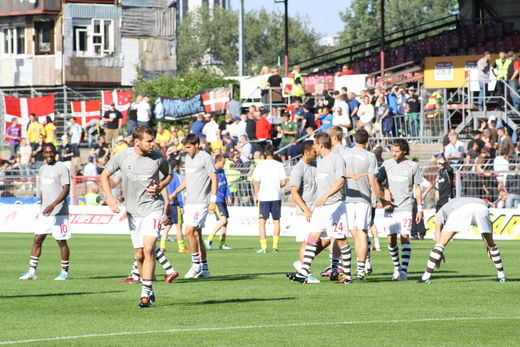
[[198, 183], [329, 169], [402, 178], [304, 177], [137, 173], [359, 161], [453, 205], [52, 179]]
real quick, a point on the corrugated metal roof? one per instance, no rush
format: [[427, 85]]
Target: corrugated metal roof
[[146, 3], [93, 11], [150, 22]]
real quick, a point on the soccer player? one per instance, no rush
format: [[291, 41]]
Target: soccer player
[[458, 215], [403, 178], [358, 195], [140, 167], [176, 210], [269, 177], [330, 214], [223, 199], [54, 212], [200, 183], [303, 192]]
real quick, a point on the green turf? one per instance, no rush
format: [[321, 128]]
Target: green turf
[[249, 292]]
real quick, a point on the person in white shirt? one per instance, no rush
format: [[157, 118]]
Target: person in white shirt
[[144, 112], [342, 120], [366, 113], [269, 177], [211, 131], [501, 164]]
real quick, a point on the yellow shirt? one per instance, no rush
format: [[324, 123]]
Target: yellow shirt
[[166, 136], [119, 147], [50, 129], [34, 131]]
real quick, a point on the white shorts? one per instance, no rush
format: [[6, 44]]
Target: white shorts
[[470, 215], [359, 215], [398, 222], [302, 227], [195, 215], [330, 220], [144, 226], [57, 225]]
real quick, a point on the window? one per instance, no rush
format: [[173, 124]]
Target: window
[[44, 37], [93, 38], [12, 40]]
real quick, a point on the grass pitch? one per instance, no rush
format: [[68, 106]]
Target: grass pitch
[[248, 300]]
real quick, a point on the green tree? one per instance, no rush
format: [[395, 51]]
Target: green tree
[[362, 18]]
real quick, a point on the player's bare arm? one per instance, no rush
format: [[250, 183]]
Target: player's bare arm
[[300, 203], [418, 196], [335, 188], [256, 186], [214, 186], [166, 198], [112, 202], [63, 195], [377, 190], [179, 189]]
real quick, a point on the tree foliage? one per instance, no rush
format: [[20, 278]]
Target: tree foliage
[[215, 31], [362, 18]]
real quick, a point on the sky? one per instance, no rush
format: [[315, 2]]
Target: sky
[[324, 14]]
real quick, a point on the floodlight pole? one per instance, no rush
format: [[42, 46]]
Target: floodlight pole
[[286, 33], [382, 49], [241, 50]]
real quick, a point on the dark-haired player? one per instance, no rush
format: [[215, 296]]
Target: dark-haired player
[[403, 178], [200, 183], [269, 177], [460, 214], [54, 212], [140, 168]]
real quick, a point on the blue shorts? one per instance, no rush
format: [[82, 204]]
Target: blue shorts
[[269, 207], [222, 210], [175, 216]]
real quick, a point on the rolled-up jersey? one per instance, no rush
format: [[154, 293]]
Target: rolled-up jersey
[[453, 205], [304, 177], [137, 173]]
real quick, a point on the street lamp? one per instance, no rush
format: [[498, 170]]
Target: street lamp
[[286, 20]]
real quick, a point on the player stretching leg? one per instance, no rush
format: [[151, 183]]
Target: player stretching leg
[[458, 215], [140, 166], [404, 178], [329, 215], [54, 212], [201, 197], [176, 211], [223, 199]]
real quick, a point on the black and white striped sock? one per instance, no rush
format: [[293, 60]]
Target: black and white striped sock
[[435, 258], [195, 259], [146, 289], [346, 256], [135, 271], [495, 256], [406, 252], [33, 263], [65, 266], [308, 257], [161, 258], [394, 253]]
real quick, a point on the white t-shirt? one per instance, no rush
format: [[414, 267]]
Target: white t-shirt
[[501, 164], [211, 130], [341, 120], [269, 173], [143, 109]]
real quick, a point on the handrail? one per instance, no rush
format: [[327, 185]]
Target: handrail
[[388, 41]]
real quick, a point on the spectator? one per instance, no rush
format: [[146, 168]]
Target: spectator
[[131, 120], [307, 119], [234, 108], [251, 126], [326, 119], [477, 139], [226, 123], [501, 164], [92, 198], [383, 124], [295, 110], [93, 130], [483, 67], [163, 136], [378, 152], [295, 150], [353, 106], [34, 130], [342, 120], [274, 83], [65, 152], [233, 129], [413, 108], [263, 127], [500, 68], [264, 91], [366, 114], [242, 126], [211, 131], [24, 154], [112, 119], [504, 142], [227, 143], [197, 126], [454, 151], [446, 138], [328, 100], [512, 188], [346, 69], [288, 130], [491, 136], [512, 78], [394, 110], [50, 131], [120, 144], [101, 149], [443, 182], [75, 133], [244, 148], [90, 171], [14, 134], [401, 106], [143, 112], [501, 201]]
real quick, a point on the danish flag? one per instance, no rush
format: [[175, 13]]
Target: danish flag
[[121, 99], [21, 108], [216, 100], [85, 111]]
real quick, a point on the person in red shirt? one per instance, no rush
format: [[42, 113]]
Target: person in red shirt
[[346, 69], [263, 127], [513, 75]]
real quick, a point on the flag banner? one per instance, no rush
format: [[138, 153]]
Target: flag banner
[[85, 111], [121, 99], [212, 101], [21, 108]]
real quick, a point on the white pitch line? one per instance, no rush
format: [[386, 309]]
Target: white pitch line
[[263, 326]]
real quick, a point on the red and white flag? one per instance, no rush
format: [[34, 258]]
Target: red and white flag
[[216, 100], [121, 99], [21, 108], [85, 111]]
